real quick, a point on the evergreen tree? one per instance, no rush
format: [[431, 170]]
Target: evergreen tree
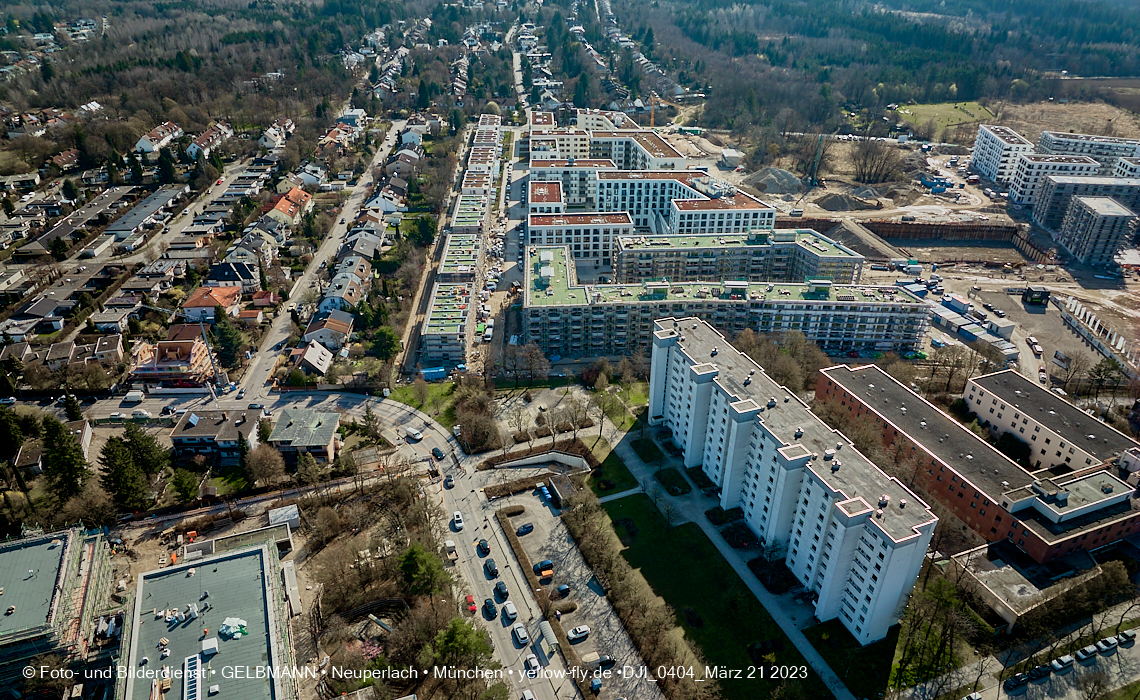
[[185, 484], [122, 478], [148, 454], [72, 407], [243, 448], [166, 170], [261, 275], [136, 168], [64, 465], [227, 338], [10, 428]]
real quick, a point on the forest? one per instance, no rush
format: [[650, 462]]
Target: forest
[[753, 59]]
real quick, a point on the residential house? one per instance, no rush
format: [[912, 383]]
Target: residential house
[[109, 349], [291, 207], [216, 435], [313, 358], [289, 182], [67, 160], [159, 137], [402, 166], [356, 118], [344, 292], [111, 320], [263, 300], [364, 243], [209, 140], [227, 274], [412, 136], [270, 229], [253, 249], [359, 267], [175, 363], [131, 303], [251, 317], [200, 305], [300, 430], [273, 138], [331, 329]]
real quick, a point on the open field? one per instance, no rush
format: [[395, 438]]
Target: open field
[[1083, 117], [945, 114]]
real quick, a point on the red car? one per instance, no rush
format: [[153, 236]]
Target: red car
[[471, 607]]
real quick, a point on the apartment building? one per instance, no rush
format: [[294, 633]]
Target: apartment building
[[1107, 150], [1045, 512], [570, 319], [1062, 436], [634, 149], [1031, 168], [854, 536], [216, 435], [484, 159], [1127, 167], [443, 337], [159, 137], [544, 197], [462, 253], [588, 236], [1057, 191], [470, 215], [173, 363], [760, 255], [578, 178], [557, 143], [209, 140], [995, 152], [1095, 229], [690, 202]]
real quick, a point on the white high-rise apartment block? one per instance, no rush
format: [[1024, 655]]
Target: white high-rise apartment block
[[855, 536], [1107, 150], [1031, 169], [1127, 167], [996, 150]]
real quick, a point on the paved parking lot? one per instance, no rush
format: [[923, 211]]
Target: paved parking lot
[[1117, 668], [550, 540]]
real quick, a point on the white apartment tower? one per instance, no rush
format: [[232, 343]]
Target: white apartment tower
[[1031, 169], [1095, 229], [1107, 150], [996, 150], [855, 536]]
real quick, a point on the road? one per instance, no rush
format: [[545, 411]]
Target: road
[[255, 381]]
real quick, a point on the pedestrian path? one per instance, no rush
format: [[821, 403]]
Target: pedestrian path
[[622, 494]]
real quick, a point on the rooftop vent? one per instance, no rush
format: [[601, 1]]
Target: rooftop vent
[[751, 372], [879, 513], [772, 402], [747, 381], [902, 503], [1106, 487], [835, 465], [828, 454], [799, 432], [715, 350]]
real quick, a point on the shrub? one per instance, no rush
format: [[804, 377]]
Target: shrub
[[543, 432], [512, 511], [520, 437]]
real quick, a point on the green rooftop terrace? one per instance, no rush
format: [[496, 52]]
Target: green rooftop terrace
[[460, 254], [550, 281], [757, 238], [450, 308]]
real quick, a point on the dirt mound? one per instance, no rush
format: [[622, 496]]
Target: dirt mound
[[844, 202], [774, 181], [865, 193]]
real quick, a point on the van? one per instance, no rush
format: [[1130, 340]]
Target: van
[[134, 397], [796, 212], [509, 611]]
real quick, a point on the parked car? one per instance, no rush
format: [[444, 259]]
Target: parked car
[[491, 568], [1015, 681], [520, 634], [562, 591], [1043, 378], [1061, 663], [8, 401], [1038, 672], [1030, 340], [1126, 637], [524, 529], [241, 394], [1087, 653], [501, 590], [544, 565], [140, 413], [449, 482], [482, 548], [578, 634], [531, 664], [437, 453], [1106, 645], [457, 518], [118, 415], [491, 609]]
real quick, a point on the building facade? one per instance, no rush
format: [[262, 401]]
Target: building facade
[[566, 318], [1095, 229], [444, 335], [1030, 169], [1107, 150], [995, 152], [854, 536], [1057, 191]]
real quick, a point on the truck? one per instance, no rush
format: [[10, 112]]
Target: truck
[[432, 374], [452, 555], [134, 397]]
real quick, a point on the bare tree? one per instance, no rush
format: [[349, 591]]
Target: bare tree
[[517, 417], [421, 390], [1092, 685], [264, 465], [670, 511], [875, 161]]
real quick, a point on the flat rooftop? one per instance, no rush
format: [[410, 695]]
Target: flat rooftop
[[237, 586], [1071, 423], [805, 238], [449, 310], [1095, 180], [460, 254], [560, 288], [948, 440], [857, 478], [591, 219], [545, 193], [1007, 135], [1105, 206], [542, 118], [1047, 159], [590, 163], [739, 200], [1062, 135], [30, 570]]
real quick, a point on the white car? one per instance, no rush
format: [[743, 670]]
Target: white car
[[531, 665], [415, 435], [1043, 378], [520, 634], [10, 401], [578, 634], [140, 413], [457, 518]]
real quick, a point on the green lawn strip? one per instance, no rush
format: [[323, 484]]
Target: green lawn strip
[[440, 403], [636, 393], [613, 469], [673, 481], [618, 415], [714, 607], [865, 670], [1128, 692], [648, 451]]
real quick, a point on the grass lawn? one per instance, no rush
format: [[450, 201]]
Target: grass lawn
[[440, 403], [714, 607], [865, 670], [613, 468], [638, 393], [1127, 692], [673, 481], [649, 452], [945, 114], [229, 480], [618, 414]]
